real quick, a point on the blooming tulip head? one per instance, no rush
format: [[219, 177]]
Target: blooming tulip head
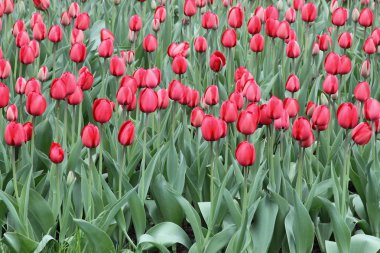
[[362, 91], [90, 136], [309, 12], [14, 134], [148, 100], [362, 133], [321, 118], [102, 110], [372, 109], [56, 153], [301, 130], [35, 104], [245, 153], [217, 61], [347, 115], [126, 133]]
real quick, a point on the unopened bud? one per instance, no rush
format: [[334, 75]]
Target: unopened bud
[[365, 69], [132, 36], [315, 50], [355, 15], [156, 24], [153, 5], [280, 5], [43, 74], [335, 96], [324, 100]]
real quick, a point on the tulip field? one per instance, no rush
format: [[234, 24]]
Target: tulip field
[[189, 126]]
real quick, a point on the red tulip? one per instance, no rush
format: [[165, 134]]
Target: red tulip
[[19, 86], [247, 121], [126, 133], [332, 63], [26, 55], [160, 13], [28, 128], [82, 22], [197, 116], [217, 61], [77, 97], [86, 79], [283, 30], [345, 40], [151, 78], [347, 115], [292, 83], [163, 99], [56, 153], [282, 123], [32, 85], [102, 110], [175, 90], [180, 49], [18, 27], [135, 23], [74, 9], [14, 134], [124, 96], [228, 39], [55, 34], [211, 95], [189, 8], [369, 46], [297, 4], [291, 106], [293, 49], [308, 142], [252, 91], [8, 6], [4, 95], [106, 34], [5, 69], [310, 107], [339, 16], [106, 48], [200, 44], [194, 99], [90, 136], [309, 12], [237, 98], [372, 109], [330, 84], [228, 111], [366, 17], [324, 42], [22, 39], [245, 153], [12, 113], [179, 65], [290, 15], [117, 66], [148, 101], [271, 13], [43, 74], [264, 115], [70, 82], [78, 52], [58, 89], [42, 4], [257, 43], [35, 104], [77, 36], [362, 91], [362, 133], [235, 17], [301, 130], [210, 20], [271, 27], [150, 43], [65, 18], [156, 25], [211, 128], [254, 25], [275, 107], [321, 118]]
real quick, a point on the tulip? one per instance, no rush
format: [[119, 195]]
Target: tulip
[[175, 90], [237, 98], [228, 111], [271, 27], [129, 57], [56, 153], [245, 153], [309, 12], [74, 9], [35, 104], [77, 36], [58, 89], [194, 99], [297, 4], [293, 49], [148, 100], [321, 118], [257, 43], [124, 96], [150, 43], [129, 82], [22, 39], [5, 69], [65, 18], [344, 65], [372, 109], [308, 142], [200, 44], [12, 113], [315, 49], [235, 17], [330, 84], [14, 134], [78, 52], [210, 21], [135, 23], [345, 40], [28, 128], [211, 95], [292, 83], [310, 107], [301, 130], [77, 97], [82, 22], [339, 16], [369, 46], [254, 25], [324, 42], [18, 27], [43, 74], [228, 39], [211, 130], [42, 4], [291, 106], [126, 133], [189, 8], [102, 110], [362, 133], [163, 99], [106, 48], [181, 49], [55, 34], [160, 13], [252, 91], [106, 34], [90, 136], [264, 119], [362, 91], [217, 61], [271, 13], [179, 65], [282, 123], [32, 85], [283, 30], [151, 78], [86, 79], [347, 115], [331, 63], [117, 66], [26, 55], [196, 117], [366, 18], [247, 121], [156, 25], [4, 95], [19, 86], [365, 69], [275, 107]]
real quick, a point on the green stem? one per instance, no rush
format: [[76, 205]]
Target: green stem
[[101, 151], [13, 160], [345, 176], [54, 58], [142, 168], [73, 125], [271, 169], [65, 124], [211, 218], [300, 173], [121, 173], [32, 143]]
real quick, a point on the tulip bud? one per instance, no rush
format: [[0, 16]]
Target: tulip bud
[[257, 43], [189, 8], [56, 153], [321, 118], [196, 117], [292, 84], [245, 153], [90, 136], [86, 79], [148, 100], [35, 104], [347, 115], [210, 21], [293, 49], [77, 97], [74, 9], [156, 25], [355, 15], [211, 95], [235, 17], [247, 121], [345, 40], [362, 133], [58, 89], [362, 91], [106, 48], [55, 34], [150, 43], [228, 111], [332, 63], [179, 65], [43, 74], [117, 66], [310, 107], [291, 106], [5, 69], [366, 17], [102, 110], [301, 130], [14, 134], [200, 44], [126, 133], [309, 12], [330, 84], [217, 61], [228, 39], [12, 113], [82, 22], [365, 69], [372, 109], [211, 128], [315, 50], [339, 16], [28, 128], [65, 18]]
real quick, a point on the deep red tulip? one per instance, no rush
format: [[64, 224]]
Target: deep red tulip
[[135, 23], [86, 79], [324, 42], [35, 104], [292, 83], [265, 119], [210, 20], [117, 66], [55, 34], [211, 128], [78, 52], [369, 46], [163, 99], [245, 154], [11, 113], [254, 25], [309, 12], [293, 49], [247, 121], [58, 89], [228, 111], [291, 106], [321, 118], [366, 17], [102, 110], [200, 44], [228, 39], [347, 115], [82, 22], [235, 17], [345, 40], [189, 8], [257, 43], [330, 84], [331, 64], [4, 95], [362, 91], [90, 136], [126, 133], [372, 109], [124, 96], [290, 15], [282, 123], [14, 134], [56, 153], [77, 97], [197, 116], [217, 61], [28, 128], [271, 27], [150, 43], [362, 133], [301, 130], [105, 48], [179, 65], [339, 16], [26, 55], [5, 69], [308, 142], [148, 100], [211, 95]]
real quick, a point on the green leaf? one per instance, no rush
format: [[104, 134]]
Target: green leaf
[[359, 243], [20, 243]]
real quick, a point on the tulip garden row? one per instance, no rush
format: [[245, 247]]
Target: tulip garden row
[[189, 126]]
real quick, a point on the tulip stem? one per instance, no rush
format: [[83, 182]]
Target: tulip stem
[[121, 173], [54, 59], [79, 120], [211, 218], [300, 173], [199, 162], [101, 152], [345, 175], [65, 124], [271, 168], [13, 160], [226, 153], [56, 122], [73, 125], [142, 168], [32, 143]]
